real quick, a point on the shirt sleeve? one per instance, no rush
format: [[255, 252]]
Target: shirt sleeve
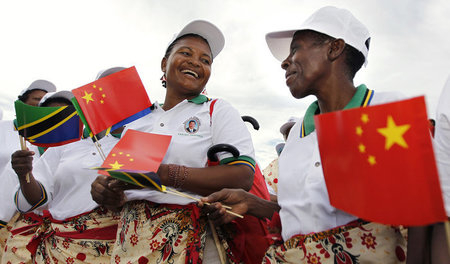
[[229, 128], [43, 172], [442, 143]]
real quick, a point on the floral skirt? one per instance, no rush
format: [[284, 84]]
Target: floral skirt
[[86, 238], [357, 242], [159, 233]]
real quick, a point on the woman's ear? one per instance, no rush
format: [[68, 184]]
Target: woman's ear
[[163, 64], [336, 49]]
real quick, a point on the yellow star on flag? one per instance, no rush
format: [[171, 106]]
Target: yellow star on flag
[[359, 131], [371, 160], [88, 97], [362, 148], [365, 118], [116, 165], [394, 133]]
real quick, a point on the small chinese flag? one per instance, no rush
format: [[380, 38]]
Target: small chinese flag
[[119, 98], [139, 151], [379, 163]]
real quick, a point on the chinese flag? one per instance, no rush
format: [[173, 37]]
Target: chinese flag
[[111, 100], [139, 151], [379, 164]]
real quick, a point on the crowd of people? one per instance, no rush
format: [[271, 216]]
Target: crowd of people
[[53, 210]]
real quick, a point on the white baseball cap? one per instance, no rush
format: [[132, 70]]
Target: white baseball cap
[[332, 21], [206, 30], [109, 71], [40, 85], [291, 121], [60, 94]]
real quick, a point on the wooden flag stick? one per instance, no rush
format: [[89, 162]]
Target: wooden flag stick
[[217, 242], [447, 233], [99, 148], [23, 146], [175, 192]]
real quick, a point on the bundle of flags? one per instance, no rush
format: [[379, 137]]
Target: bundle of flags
[[48, 126], [136, 158], [379, 163], [111, 102]]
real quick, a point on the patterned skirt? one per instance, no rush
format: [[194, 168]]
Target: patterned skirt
[[357, 242], [86, 238], [160, 233]]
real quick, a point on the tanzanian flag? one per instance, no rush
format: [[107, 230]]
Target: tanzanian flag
[[48, 126], [140, 178]]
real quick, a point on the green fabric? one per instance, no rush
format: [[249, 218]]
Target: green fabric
[[81, 115], [200, 99], [313, 109]]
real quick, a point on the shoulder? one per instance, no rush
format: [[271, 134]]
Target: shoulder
[[387, 97]]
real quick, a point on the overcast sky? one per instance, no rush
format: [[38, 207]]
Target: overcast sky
[[69, 42]]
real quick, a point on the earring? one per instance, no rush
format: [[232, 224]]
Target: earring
[[164, 80]]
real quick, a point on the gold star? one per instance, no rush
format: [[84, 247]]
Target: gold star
[[362, 148], [101, 101], [116, 165], [394, 133], [94, 86], [88, 97], [114, 154], [120, 153], [103, 95], [100, 89], [359, 131], [365, 118], [371, 160], [131, 159]]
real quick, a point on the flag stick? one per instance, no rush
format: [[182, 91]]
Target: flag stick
[[23, 146], [217, 242], [99, 148], [447, 232], [175, 192]]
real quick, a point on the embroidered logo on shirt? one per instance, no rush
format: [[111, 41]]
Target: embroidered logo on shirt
[[192, 125]]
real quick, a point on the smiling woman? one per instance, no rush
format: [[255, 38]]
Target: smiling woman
[[172, 226]]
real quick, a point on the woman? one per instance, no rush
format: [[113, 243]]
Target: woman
[[61, 222], [162, 228]]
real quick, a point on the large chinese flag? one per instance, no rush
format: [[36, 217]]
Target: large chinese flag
[[379, 163], [112, 101], [137, 151]]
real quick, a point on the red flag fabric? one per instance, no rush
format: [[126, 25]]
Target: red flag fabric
[[112, 99], [138, 150], [379, 163]]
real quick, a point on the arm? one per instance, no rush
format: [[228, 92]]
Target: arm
[[205, 181], [22, 163], [241, 202]]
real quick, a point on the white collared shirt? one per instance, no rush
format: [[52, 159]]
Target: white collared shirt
[[302, 193], [64, 173], [9, 142], [190, 148], [442, 143]]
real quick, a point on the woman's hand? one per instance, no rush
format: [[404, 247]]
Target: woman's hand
[[22, 163], [237, 199], [109, 192]]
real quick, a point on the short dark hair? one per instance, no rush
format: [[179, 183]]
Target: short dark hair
[[354, 59], [24, 97], [170, 47]]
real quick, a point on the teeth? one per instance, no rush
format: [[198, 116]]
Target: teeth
[[191, 72]]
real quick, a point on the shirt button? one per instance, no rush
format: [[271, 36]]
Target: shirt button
[[162, 124], [93, 153], [317, 164]]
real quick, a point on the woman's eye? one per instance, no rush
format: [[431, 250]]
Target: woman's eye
[[206, 61]]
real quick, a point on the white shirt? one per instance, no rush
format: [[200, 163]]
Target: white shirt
[[64, 173], [9, 142], [442, 143], [302, 193], [190, 148]]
